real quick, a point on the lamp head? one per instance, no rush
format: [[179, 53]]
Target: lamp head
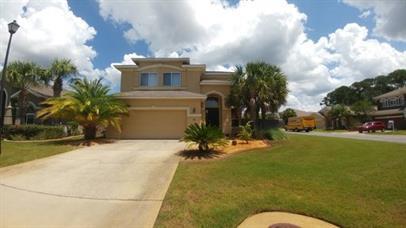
[[13, 27]]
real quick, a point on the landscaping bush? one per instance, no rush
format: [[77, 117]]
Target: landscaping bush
[[275, 134], [245, 132], [33, 132], [205, 137], [73, 128]]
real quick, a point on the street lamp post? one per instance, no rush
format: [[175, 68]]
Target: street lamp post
[[12, 28]]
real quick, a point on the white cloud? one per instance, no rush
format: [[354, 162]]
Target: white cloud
[[272, 31], [345, 56], [389, 15], [48, 30], [210, 31], [365, 14]]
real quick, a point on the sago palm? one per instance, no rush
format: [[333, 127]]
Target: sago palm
[[205, 137], [22, 76], [89, 104], [60, 69]]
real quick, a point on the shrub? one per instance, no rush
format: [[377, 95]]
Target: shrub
[[73, 128], [17, 137], [275, 134], [245, 132], [205, 137], [28, 132]]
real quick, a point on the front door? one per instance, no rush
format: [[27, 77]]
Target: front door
[[212, 112], [212, 117]]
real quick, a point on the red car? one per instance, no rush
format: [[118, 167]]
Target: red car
[[372, 126]]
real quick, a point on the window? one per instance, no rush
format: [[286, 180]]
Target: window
[[29, 118], [172, 79], [149, 79]]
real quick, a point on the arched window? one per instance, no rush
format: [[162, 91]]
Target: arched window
[[212, 102]]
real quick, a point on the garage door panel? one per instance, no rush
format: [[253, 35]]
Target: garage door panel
[[154, 124]]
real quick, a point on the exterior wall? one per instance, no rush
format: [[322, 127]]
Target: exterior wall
[[192, 81], [190, 78], [128, 80], [320, 121]]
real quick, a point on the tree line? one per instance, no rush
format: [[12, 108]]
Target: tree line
[[357, 99], [366, 89]]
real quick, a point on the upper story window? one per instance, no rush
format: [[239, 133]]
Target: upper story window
[[392, 102], [149, 79], [172, 79]]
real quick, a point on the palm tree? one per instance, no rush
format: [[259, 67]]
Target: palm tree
[[237, 99], [260, 86], [22, 76], [60, 69], [89, 104]]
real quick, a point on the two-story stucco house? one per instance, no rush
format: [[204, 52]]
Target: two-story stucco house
[[165, 95], [392, 106]]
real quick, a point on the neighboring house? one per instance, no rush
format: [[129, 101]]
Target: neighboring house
[[334, 123], [320, 119], [35, 96], [165, 95], [392, 106]]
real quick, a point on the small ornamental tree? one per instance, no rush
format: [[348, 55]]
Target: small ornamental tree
[[245, 132]]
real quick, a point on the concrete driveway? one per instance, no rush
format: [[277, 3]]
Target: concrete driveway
[[356, 135], [112, 185]]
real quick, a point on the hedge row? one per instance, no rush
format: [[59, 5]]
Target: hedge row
[[33, 132]]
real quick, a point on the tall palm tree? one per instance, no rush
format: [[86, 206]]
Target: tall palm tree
[[260, 86], [277, 88], [89, 104], [237, 98], [22, 76], [60, 69]]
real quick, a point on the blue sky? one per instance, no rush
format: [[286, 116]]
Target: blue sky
[[318, 44], [108, 51]]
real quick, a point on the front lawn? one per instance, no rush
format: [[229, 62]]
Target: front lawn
[[17, 152], [388, 132], [351, 183]]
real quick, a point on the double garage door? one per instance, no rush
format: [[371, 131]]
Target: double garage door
[[154, 124]]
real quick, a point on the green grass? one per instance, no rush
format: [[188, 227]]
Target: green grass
[[330, 131], [17, 152], [351, 183], [399, 132]]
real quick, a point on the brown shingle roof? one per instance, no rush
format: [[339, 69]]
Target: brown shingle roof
[[160, 94], [396, 92], [41, 91]]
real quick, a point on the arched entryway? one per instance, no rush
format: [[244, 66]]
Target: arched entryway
[[212, 108]]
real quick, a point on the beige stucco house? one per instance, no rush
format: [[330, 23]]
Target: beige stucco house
[[165, 95]]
